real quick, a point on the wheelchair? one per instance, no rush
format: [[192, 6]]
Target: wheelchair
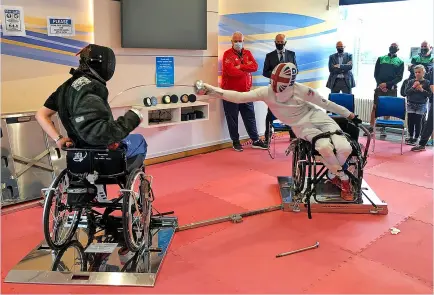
[[72, 198], [308, 171]]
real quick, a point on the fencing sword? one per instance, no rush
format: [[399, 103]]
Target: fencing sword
[[298, 251]]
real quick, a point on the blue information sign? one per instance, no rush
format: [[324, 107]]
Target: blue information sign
[[165, 71]]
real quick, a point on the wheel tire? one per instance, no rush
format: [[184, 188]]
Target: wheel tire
[[46, 216], [145, 205], [78, 247], [298, 169]]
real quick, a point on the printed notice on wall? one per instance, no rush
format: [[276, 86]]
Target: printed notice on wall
[[165, 71], [60, 26], [13, 21]]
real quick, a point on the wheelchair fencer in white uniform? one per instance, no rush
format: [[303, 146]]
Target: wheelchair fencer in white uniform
[[296, 105]]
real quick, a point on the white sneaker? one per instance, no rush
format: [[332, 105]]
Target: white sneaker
[[101, 196]]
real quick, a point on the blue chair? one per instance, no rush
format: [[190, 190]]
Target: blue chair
[[343, 99], [390, 106]]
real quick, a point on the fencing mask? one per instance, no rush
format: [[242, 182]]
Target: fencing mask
[[283, 75], [100, 60]]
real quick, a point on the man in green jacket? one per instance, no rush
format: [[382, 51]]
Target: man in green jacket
[[389, 71], [423, 58]]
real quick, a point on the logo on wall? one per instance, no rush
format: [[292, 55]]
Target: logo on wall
[[13, 20]]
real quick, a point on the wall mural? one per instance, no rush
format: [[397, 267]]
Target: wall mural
[[313, 40], [37, 45]]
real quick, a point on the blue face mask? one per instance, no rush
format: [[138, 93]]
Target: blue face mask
[[238, 46]]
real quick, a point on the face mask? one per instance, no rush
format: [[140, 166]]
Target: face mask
[[340, 50], [279, 46], [393, 49], [424, 50], [101, 60], [238, 45]]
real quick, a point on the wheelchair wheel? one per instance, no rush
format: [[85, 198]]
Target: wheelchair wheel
[[137, 211], [65, 221], [299, 167], [71, 258], [356, 170]]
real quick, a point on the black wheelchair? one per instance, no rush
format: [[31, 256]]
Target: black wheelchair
[[308, 171], [72, 198]]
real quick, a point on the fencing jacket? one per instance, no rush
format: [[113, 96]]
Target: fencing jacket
[[293, 106]]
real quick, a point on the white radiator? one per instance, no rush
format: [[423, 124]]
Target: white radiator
[[363, 108]]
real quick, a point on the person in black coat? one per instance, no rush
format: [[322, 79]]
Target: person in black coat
[[272, 59], [341, 78]]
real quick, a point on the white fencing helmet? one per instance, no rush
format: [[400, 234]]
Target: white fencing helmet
[[283, 75]]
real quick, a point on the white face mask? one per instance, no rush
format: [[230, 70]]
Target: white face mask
[[238, 45]]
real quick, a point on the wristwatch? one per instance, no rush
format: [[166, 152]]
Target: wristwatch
[[58, 138]]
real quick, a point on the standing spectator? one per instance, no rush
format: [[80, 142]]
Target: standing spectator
[[341, 78], [418, 92], [423, 58], [427, 130], [389, 70], [272, 59], [237, 65]]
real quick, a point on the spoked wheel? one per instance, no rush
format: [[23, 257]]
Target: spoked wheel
[[356, 170], [137, 211], [298, 168], [59, 221], [71, 258]]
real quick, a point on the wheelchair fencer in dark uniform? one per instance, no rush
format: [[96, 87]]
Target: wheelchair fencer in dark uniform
[[73, 194], [306, 161]]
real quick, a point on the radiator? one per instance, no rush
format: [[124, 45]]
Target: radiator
[[363, 108]]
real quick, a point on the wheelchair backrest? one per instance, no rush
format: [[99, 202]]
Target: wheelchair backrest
[[352, 130], [104, 162]]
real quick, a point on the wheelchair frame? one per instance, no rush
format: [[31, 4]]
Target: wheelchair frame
[[304, 155], [124, 180]]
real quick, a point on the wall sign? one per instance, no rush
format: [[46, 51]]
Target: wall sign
[[60, 26], [165, 71], [13, 21]]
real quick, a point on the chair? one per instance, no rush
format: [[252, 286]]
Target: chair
[[389, 106], [343, 99]]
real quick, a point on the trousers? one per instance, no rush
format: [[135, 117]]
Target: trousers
[[340, 85], [427, 128], [335, 150], [247, 111], [136, 145]]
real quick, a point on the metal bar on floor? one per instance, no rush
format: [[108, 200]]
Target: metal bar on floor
[[235, 218]]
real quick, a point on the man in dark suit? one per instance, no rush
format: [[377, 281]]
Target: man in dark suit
[[272, 59], [340, 65]]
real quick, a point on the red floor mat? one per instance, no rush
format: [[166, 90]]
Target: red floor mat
[[362, 276], [400, 171], [402, 198], [250, 190], [410, 251], [243, 256], [424, 214]]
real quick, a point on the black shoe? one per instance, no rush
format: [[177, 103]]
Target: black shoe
[[259, 144], [412, 141], [408, 140], [383, 133], [237, 146], [418, 148]]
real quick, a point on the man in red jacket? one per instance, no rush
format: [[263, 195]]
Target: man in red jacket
[[237, 65]]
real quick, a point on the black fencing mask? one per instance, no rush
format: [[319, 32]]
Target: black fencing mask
[[100, 60]]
